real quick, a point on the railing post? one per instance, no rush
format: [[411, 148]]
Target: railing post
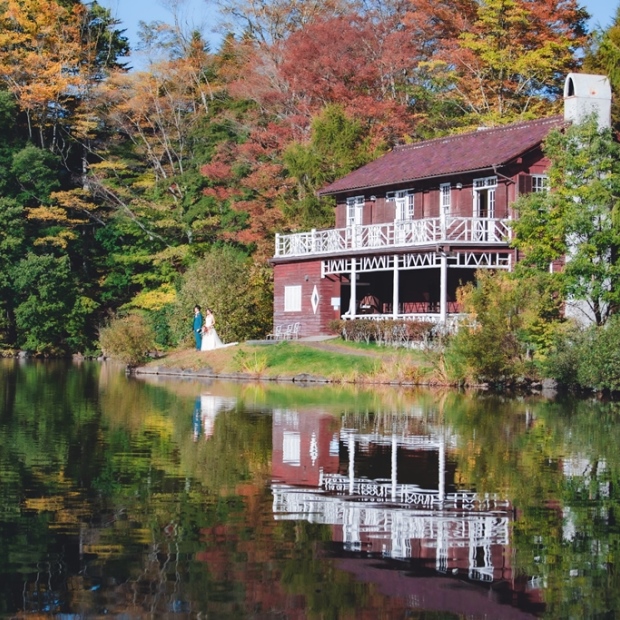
[[313, 242], [277, 244]]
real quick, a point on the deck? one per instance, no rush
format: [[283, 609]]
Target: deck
[[394, 235]]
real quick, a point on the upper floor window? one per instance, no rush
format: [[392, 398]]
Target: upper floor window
[[355, 210], [404, 203], [540, 183], [445, 198], [484, 197]]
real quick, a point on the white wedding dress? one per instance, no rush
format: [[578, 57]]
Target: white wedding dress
[[210, 339]]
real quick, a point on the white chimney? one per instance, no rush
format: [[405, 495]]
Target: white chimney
[[585, 94]]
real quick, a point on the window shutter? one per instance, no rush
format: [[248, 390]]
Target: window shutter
[[525, 184]]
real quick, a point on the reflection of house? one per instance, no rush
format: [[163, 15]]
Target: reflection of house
[[414, 224], [391, 496]]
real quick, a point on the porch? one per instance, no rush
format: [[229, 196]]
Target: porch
[[407, 233]]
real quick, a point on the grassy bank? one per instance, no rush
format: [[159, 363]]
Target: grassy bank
[[334, 360]]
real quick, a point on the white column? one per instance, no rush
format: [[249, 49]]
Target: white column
[[353, 300], [443, 288], [395, 297], [442, 470], [351, 463], [394, 465]]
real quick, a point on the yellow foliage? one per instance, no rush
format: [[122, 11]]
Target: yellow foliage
[[154, 300], [61, 240]]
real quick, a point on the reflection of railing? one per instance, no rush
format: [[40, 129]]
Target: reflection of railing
[[409, 233], [410, 494], [392, 528]]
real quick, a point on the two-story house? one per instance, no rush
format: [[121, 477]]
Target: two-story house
[[418, 222]]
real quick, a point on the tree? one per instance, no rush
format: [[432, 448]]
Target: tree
[[603, 56], [337, 146], [499, 60], [50, 314], [578, 219], [237, 290]]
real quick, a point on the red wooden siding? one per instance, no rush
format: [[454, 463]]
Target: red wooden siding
[[307, 275]]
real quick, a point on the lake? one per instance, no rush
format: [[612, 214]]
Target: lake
[[153, 497]]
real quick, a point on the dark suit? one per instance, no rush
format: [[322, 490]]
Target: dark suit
[[198, 330]]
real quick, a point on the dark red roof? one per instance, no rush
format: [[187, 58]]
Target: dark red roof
[[461, 153]]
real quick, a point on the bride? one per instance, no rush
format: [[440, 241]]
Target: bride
[[210, 339]]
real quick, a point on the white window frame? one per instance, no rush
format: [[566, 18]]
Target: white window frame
[[445, 199], [355, 209], [292, 298], [405, 205], [488, 185], [540, 183]]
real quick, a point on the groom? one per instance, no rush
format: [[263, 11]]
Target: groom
[[197, 325]]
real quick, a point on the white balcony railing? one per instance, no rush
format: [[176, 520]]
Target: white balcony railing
[[409, 233]]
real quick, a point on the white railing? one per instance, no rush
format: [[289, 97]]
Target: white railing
[[409, 233]]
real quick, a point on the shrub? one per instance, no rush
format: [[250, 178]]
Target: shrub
[[128, 339], [496, 345], [384, 332], [238, 291]]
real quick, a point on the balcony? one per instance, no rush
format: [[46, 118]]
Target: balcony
[[407, 234]]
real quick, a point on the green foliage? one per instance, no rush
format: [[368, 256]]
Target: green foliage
[[49, 314], [589, 358], [603, 57], [338, 144], [577, 218], [238, 291], [36, 172], [507, 326], [128, 339]]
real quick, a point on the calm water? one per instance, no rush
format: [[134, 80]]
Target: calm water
[[147, 498]]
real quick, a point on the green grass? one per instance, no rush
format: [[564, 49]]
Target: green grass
[[287, 358]]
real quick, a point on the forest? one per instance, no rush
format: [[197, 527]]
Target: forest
[[129, 191]]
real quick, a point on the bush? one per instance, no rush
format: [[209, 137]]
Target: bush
[[128, 339], [386, 332], [238, 291], [497, 344], [588, 359]]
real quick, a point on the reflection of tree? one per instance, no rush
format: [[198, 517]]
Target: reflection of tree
[[560, 462], [114, 485]]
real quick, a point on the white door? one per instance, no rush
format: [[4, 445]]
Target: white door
[[355, 219], [403, 215]]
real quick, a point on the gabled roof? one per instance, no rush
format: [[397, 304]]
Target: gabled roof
[[461, 153]]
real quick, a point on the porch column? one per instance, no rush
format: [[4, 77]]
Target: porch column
[[442, 471], [353, 300], [394, 464], [351, 463], [395, 297], [443, 288]]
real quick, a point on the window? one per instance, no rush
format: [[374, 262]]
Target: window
[[484, 197], [445, 199], [292, 298], [540, 183], [355, 209], [404, 204]]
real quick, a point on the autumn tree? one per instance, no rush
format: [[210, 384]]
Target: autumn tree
[[499, 60]]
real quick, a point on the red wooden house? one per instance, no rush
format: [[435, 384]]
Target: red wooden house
[[415, 224]]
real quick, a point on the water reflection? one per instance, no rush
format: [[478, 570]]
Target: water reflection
[[152, 497], [205, 411], [389, 491]]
